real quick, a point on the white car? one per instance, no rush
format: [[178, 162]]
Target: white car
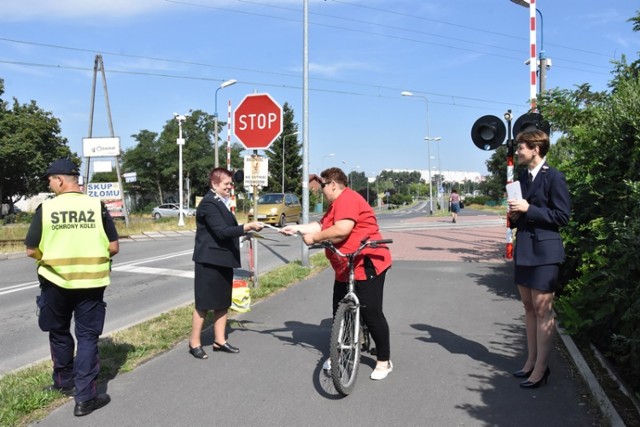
[[171, 210]]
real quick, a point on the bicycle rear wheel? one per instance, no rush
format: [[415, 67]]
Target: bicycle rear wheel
[[344, 348]]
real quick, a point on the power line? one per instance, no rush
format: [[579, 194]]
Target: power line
[[285, 86], [475, 43], [407, 15]]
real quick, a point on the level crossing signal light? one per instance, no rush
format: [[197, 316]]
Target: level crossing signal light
[[488, 132], [531, 121]]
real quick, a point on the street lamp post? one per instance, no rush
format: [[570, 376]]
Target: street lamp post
[[367, 178], [350, 179], [428, 139], [215, 120], [283, 147], [180, 142], [440, 194], [322, 161], [344, 162], [321, 169]]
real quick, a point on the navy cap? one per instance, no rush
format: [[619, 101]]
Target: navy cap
[[61, 167]]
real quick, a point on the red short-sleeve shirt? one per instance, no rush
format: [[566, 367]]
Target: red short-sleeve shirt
[[351, 205]]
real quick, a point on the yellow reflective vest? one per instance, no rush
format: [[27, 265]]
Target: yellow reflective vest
[[74, 245]]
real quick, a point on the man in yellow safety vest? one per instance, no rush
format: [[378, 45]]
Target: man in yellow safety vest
[[72, 237]]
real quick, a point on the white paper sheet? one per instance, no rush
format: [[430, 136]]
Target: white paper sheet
[[514, 192]]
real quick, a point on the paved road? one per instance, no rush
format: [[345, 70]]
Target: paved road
[[456, 335]]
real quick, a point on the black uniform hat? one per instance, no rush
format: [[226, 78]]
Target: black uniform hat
[[61, 167]]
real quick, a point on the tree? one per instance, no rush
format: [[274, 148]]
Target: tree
[[155, 157], [29, 141], [292, 156], [600, 156], [358, 181], [494, 185]]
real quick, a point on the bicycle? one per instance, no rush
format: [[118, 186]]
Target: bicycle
[[349, 335]]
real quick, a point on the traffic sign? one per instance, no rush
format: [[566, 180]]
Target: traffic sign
[[256, 171], [257, 121]]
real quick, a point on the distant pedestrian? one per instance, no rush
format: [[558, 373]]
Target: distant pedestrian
[[73, 238], [538, 253], [454, 203], [216, 254]]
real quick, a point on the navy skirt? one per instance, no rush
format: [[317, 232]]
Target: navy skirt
[[543, 278], [212, 286]]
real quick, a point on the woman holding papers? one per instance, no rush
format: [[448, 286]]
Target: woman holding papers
[[216, 254], [538, 253]]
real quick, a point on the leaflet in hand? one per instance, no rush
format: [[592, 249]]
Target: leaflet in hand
[[514, 191], [271, 227]]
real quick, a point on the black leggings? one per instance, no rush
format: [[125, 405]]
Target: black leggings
[[370, 293]]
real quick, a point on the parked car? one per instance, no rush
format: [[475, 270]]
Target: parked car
[[171, 210], [277, 208]]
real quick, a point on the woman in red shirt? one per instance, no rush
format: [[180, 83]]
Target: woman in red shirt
[[348, 220]]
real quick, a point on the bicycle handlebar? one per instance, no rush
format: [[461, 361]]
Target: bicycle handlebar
[[363, 244]]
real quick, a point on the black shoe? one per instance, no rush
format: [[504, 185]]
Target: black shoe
[[225, 348], [87, 407], [523, 374], [67, 391], [544, 379], [198, 352]]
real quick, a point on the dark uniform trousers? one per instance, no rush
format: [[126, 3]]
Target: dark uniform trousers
[[57, 305]]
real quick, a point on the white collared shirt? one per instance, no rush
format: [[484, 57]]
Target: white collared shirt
[[534, 171], [226, 201]]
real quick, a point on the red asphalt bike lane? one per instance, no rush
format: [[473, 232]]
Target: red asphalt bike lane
[[471, 239]]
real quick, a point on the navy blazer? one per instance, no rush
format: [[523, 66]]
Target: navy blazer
[[217, 233], [538, 240]]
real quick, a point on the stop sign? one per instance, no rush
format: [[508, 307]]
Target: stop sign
[[257, 121]]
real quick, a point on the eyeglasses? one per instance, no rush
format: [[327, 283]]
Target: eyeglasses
[[324, 184]]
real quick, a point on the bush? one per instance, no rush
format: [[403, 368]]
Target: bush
[[599, 154], [476, 200]]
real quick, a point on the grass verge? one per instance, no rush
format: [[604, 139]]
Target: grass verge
[[23, 401]]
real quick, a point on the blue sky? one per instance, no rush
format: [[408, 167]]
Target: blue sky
[[465, 56]]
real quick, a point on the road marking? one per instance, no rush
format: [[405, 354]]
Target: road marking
[[155, 271], [19, 287], [129, 266]]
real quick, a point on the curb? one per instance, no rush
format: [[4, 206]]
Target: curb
[[605, 405]]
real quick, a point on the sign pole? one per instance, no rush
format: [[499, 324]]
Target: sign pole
[[510, 174], [254, 241], [233, 189]]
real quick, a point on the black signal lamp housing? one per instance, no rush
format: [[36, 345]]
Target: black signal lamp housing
[[488, 132], [531, 121]]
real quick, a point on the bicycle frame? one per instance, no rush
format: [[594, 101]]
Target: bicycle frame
[[351, 294], [345, 346]]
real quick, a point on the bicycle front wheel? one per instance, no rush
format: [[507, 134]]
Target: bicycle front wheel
[[345, 348]]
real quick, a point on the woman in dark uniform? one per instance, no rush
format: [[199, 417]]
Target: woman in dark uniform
[[538, 253], [216, 254]]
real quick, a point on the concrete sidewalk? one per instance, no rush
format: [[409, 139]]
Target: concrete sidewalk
[[456, 335]]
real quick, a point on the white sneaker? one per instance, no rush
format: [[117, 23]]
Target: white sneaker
[[381, 373], [327, 365]]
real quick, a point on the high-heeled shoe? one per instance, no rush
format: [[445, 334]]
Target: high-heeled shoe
[[226, 347], [531, 384], [197, 352], [522, 373]]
